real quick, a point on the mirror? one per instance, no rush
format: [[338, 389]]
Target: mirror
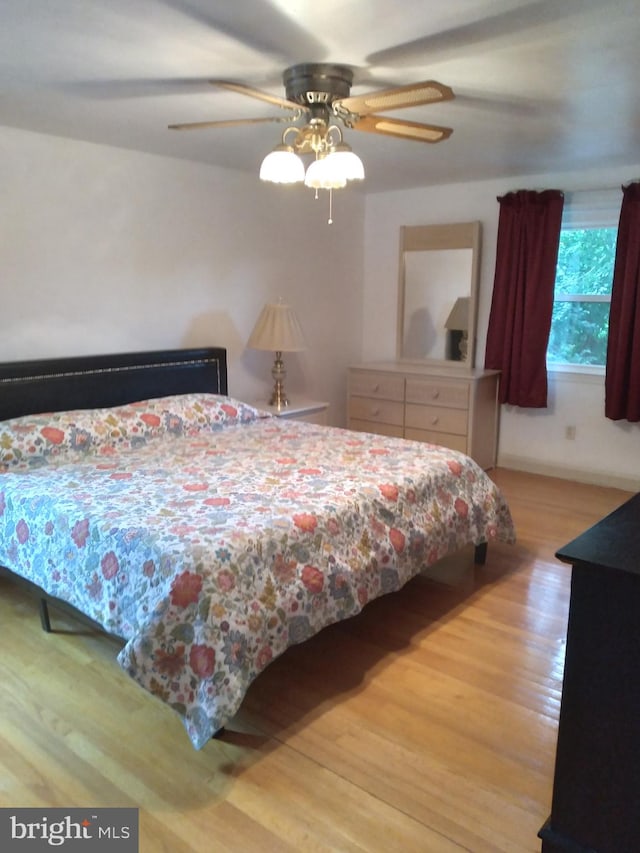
[[437, 293]]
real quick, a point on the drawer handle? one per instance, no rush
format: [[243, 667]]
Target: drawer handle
[[376, 388], [435, 420], [435, 395], [375, 412]]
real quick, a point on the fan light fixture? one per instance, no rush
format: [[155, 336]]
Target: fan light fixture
[[318, 93], [335, 164], [282, 166]]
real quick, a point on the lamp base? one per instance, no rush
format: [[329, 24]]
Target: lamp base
[[463, 346], [278, 398]]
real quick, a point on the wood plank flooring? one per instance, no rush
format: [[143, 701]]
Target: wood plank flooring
[[427, 723]]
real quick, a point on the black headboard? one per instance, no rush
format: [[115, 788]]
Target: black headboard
[[93, 381]]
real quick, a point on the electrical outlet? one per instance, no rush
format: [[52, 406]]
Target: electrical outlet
[[570, 433]]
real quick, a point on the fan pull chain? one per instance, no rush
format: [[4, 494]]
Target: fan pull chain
[[316, 196]]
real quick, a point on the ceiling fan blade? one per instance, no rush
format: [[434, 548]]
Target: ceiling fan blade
[[258, 26], [255, 93], [403, 129], [232, 122], [484, 33], [412, 95]]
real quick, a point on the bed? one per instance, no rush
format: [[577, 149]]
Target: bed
[[206, 534]]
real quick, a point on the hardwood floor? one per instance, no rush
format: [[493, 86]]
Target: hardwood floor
[[427, 723]]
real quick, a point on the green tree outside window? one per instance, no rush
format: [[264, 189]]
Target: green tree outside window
[[580, 319]]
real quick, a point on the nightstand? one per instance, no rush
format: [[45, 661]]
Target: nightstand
[[311, 411]]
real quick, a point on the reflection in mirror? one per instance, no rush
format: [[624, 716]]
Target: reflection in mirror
[[437, 293], [436, 306]]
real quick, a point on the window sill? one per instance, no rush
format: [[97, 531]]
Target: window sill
[[572, 372]]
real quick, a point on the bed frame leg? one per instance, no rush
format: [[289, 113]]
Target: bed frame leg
[[480, 554], [44, 616]]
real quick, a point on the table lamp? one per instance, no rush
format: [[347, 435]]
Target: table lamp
[[277, 329]]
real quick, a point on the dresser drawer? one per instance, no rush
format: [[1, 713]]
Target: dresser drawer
[[444, 439], [377, 428], [378, 385], [436, 418], [438, 393], [376, 411]]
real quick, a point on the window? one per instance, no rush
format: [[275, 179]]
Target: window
[[580, 319]]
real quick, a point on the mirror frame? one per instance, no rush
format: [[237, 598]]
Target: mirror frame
[[421, 238]]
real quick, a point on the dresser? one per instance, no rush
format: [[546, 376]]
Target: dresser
[[596, 787], [450, 406]]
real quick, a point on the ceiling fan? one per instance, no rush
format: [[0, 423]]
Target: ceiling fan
[[317, 95], [320, 91]]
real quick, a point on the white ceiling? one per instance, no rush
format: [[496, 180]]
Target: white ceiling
[[541, 85]]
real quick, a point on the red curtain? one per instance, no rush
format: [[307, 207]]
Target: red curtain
[[622, 380], [522, 302]]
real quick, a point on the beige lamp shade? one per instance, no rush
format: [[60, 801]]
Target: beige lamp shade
[[458, 318], [277, 329]]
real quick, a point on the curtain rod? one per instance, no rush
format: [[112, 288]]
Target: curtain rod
[[599, 189], [608, 188]]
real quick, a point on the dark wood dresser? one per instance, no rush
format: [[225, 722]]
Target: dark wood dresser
[[596, 789]]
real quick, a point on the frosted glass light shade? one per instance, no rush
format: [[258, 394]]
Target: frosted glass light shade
[[323, 175], [282, 166], [346, 163]]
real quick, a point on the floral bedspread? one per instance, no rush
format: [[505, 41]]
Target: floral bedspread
[[211, 538]]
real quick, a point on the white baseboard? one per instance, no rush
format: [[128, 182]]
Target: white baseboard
[[578, 475]]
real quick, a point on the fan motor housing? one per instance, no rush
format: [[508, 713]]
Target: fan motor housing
[[317, 83]]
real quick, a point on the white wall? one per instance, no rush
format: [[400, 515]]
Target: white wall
[[105, 250], [603, 451]]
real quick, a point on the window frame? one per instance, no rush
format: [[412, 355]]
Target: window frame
[[585, 209]]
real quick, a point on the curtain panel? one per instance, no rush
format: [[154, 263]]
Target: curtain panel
[[622, 378], [522, 303]]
